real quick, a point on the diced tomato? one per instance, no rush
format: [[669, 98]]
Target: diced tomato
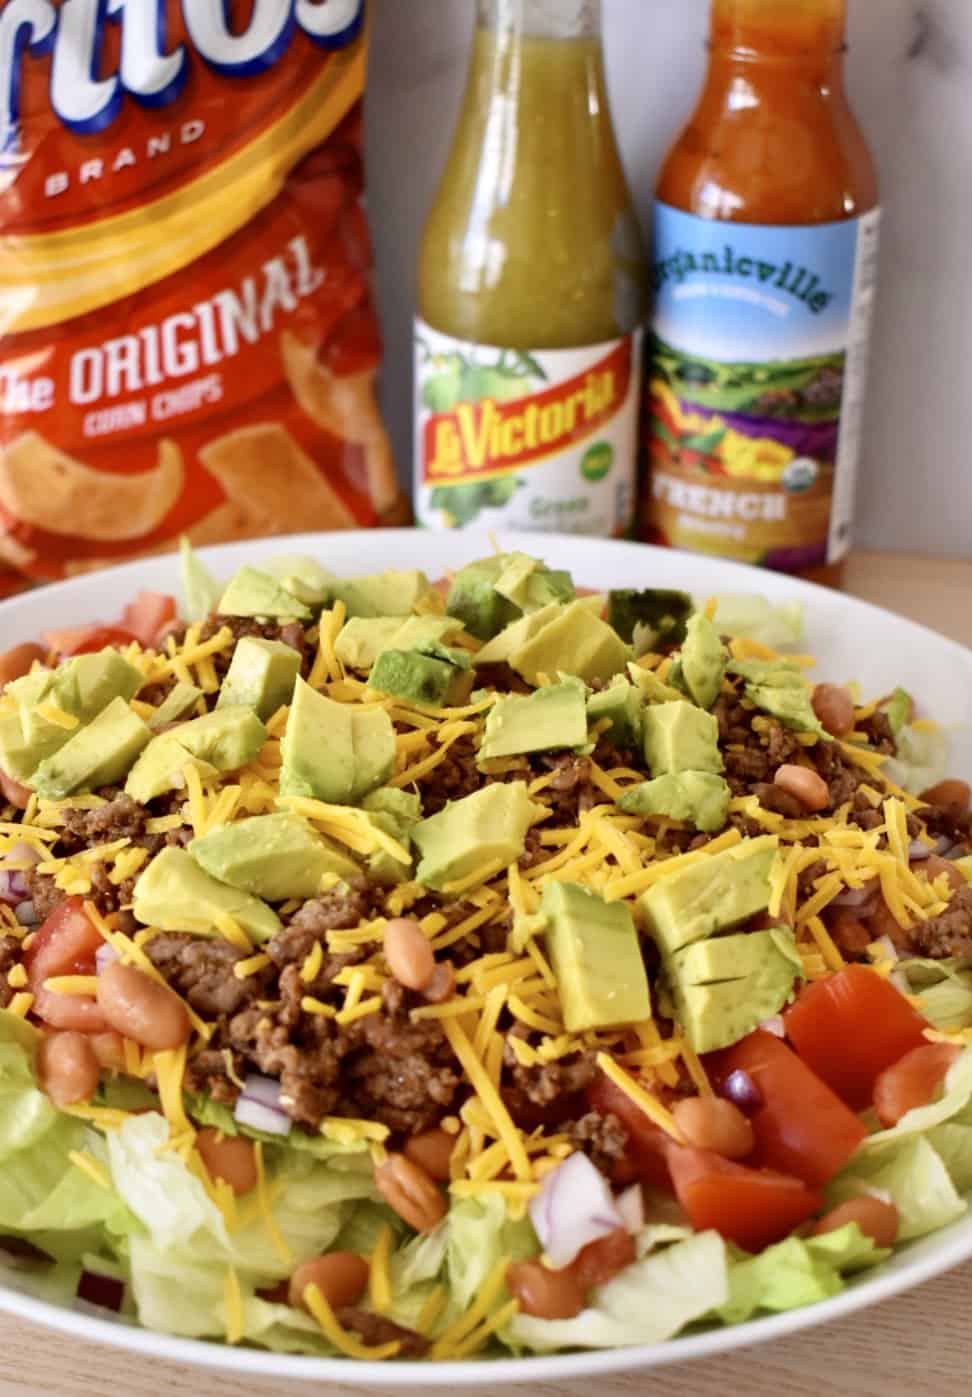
[[146, 615], [84, 640], [802, 1127], [751, 1207], [64, 945], [849, 1027], [913, 1081], [647, 1142], [14, 792]]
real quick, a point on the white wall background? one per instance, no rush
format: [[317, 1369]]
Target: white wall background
[[910, 78]]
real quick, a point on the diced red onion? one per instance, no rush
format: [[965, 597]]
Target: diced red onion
[[631, 1205], [21, 1255], [742, 1091], [26, 913], [265, 1090], [108, 1292], [260, 1117], [774, 1025], [918, 850], [13, 886], [21, 855], [574, 1208], [104, 955], [942, 844], [858, 898]]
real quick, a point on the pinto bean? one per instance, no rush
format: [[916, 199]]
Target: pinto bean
[[67, 1068], [141, 1008]]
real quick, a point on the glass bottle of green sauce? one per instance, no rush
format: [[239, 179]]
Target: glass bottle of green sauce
[[531, 290]]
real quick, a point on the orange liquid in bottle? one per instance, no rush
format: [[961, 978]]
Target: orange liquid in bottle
[[772, 143]]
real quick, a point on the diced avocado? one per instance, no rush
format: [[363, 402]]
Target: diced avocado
[[410, 675], [335, 752], [769, 674], [653, 689], [724, 988], [97, 754], [175, 894], [649, 617], [474, 600], [623, 706], [161, 768], [261, 676], [698, 797], [361, 640], [898, 709], [499, 649], [574, 640], [272, 856], [395, 812], [680, 737], [538, 722], [389, 593], [529, 584], [180, 700], [23, 746], [87, 684], [227, 738], [596, 956], [714, 894], [303, 576], [777, 687], [254, 593], [486, 827], [703, 660]]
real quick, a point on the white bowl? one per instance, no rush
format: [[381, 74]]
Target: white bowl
[[851, 639]]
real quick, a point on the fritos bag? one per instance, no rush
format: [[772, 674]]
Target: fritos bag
[[187, 339]]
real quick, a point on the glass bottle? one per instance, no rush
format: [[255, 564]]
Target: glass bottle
[[765, 249], [531, 289]]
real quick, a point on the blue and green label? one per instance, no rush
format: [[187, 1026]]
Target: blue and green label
[[756, 379]]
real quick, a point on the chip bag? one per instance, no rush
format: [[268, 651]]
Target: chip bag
[[187, 339]]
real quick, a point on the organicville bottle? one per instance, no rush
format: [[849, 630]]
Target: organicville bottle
[[765, 251], [531, 290]]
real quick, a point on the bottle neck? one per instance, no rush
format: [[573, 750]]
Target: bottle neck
[[805, 35], [541, 19]]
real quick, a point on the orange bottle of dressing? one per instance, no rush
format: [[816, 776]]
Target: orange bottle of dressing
[[766, 230]]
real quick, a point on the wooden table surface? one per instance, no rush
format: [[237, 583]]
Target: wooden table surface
[[914, 1346]]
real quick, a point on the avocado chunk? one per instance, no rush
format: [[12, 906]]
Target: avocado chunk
[[724, 988], [261, 676], [898, 709], [486, 827], [272, 856], [224, 740], [389, 593], [363, 638], [712, 895], [651, 688], [700, 798], [777, 687], [410, 675], [180, 700], [680, 737], [649, 617], [529, 584], [335, 752], [539, 722], [303, 576], [502, 645], [596, 957], [200, 589], [82, 686], [162, 768], [394, 812], [623, 706], [251, 592], [703, 661], [175, 894], [97, 754], [575, 641]]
